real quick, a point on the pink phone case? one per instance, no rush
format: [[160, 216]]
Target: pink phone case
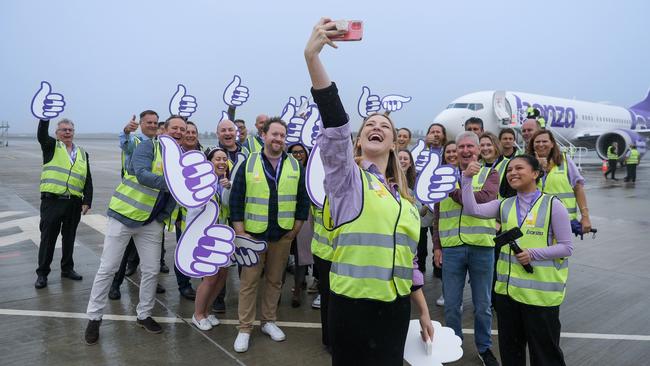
[[355, 32]]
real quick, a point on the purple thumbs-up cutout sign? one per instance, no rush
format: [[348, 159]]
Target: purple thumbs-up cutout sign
[[247, 251], [435, 180], [205, 246], [368, 103], [394, 102], [45, 104], [303, 122], [315, 178], [182, 104], [189, 176], [235, 94]]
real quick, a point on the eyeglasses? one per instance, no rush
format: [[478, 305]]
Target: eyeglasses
[[298, 152], [66, 129]]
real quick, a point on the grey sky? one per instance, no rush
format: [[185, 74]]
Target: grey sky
[[111, 59]]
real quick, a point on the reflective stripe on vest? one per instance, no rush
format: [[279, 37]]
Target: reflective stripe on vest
[[60, 176], [611, 153], [134, 200], [320, 242], [547, 284], [256, 209], [557, 183], [253, 145], [633, 159], [456, 228], [373, 254]]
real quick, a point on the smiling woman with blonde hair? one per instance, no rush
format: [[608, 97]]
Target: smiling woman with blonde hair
[[373, 225]]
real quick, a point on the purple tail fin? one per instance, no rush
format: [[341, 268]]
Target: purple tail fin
[[643, 105]]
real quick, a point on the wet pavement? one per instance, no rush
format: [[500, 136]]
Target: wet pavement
[[604, 317]]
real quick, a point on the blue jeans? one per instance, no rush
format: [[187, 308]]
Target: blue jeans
[[479, 262]]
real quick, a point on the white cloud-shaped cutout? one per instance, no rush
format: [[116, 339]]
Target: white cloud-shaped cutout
[[447, 346]]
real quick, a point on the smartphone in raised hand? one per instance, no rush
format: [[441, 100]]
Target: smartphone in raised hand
[[354, 30]]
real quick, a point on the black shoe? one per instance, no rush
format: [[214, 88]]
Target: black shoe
[[188, 293], [150, 325], [72, 275], [114, 293], [488, 358], [160, 289], [130, 270], [615, 179], [41, 282], [219, 306], [92, 332]]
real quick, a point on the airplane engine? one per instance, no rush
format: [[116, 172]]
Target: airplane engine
[[624, 138]]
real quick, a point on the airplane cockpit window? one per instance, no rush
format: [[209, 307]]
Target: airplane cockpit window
[[476, 106]]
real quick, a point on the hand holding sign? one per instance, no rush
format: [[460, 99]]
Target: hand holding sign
[[435, 181], [45, 104], [189, 176], [182, 104], [393, 102], [204, 246], [235, 93], [247, 249], [368, 103]]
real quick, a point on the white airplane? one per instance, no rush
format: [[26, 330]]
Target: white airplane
[[586, 124]]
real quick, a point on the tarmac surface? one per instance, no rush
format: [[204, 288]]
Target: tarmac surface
[[604, 316]]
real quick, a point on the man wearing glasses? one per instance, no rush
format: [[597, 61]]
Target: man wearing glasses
[[66, 192]]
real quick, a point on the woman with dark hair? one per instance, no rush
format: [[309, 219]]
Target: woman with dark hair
[[449, 154], [373, 221], [528, 303], [403, 138], [210, 286], [562, 177], [408, 166], [301, 245]]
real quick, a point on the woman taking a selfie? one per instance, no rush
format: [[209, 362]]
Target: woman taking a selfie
[[528, 304], [374, 227]]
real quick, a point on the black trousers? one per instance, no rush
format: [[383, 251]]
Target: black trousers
[[423, 248], [322, 267], [611, 168], [58, 216], [631, 173], [368, 332], [535, 326]]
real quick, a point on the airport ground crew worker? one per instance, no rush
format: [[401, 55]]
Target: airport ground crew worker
[[631, 162], [66, 192], [612, 160], [528, 304]]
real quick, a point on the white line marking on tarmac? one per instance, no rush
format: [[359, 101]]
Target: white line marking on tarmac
[[10, 213], [169, 320]]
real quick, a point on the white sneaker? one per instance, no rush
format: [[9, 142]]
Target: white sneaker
[[213, 320], [241, 343], [440, 301], [203, 324], [274, 332], [316, 303]]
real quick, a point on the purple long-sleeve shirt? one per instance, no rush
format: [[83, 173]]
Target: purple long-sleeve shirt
[[342, 176], [560, 223]]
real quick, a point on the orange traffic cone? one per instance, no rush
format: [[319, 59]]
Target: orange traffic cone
[[604, 168]]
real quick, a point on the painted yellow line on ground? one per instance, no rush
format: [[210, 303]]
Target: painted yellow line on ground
[[169, 320]]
